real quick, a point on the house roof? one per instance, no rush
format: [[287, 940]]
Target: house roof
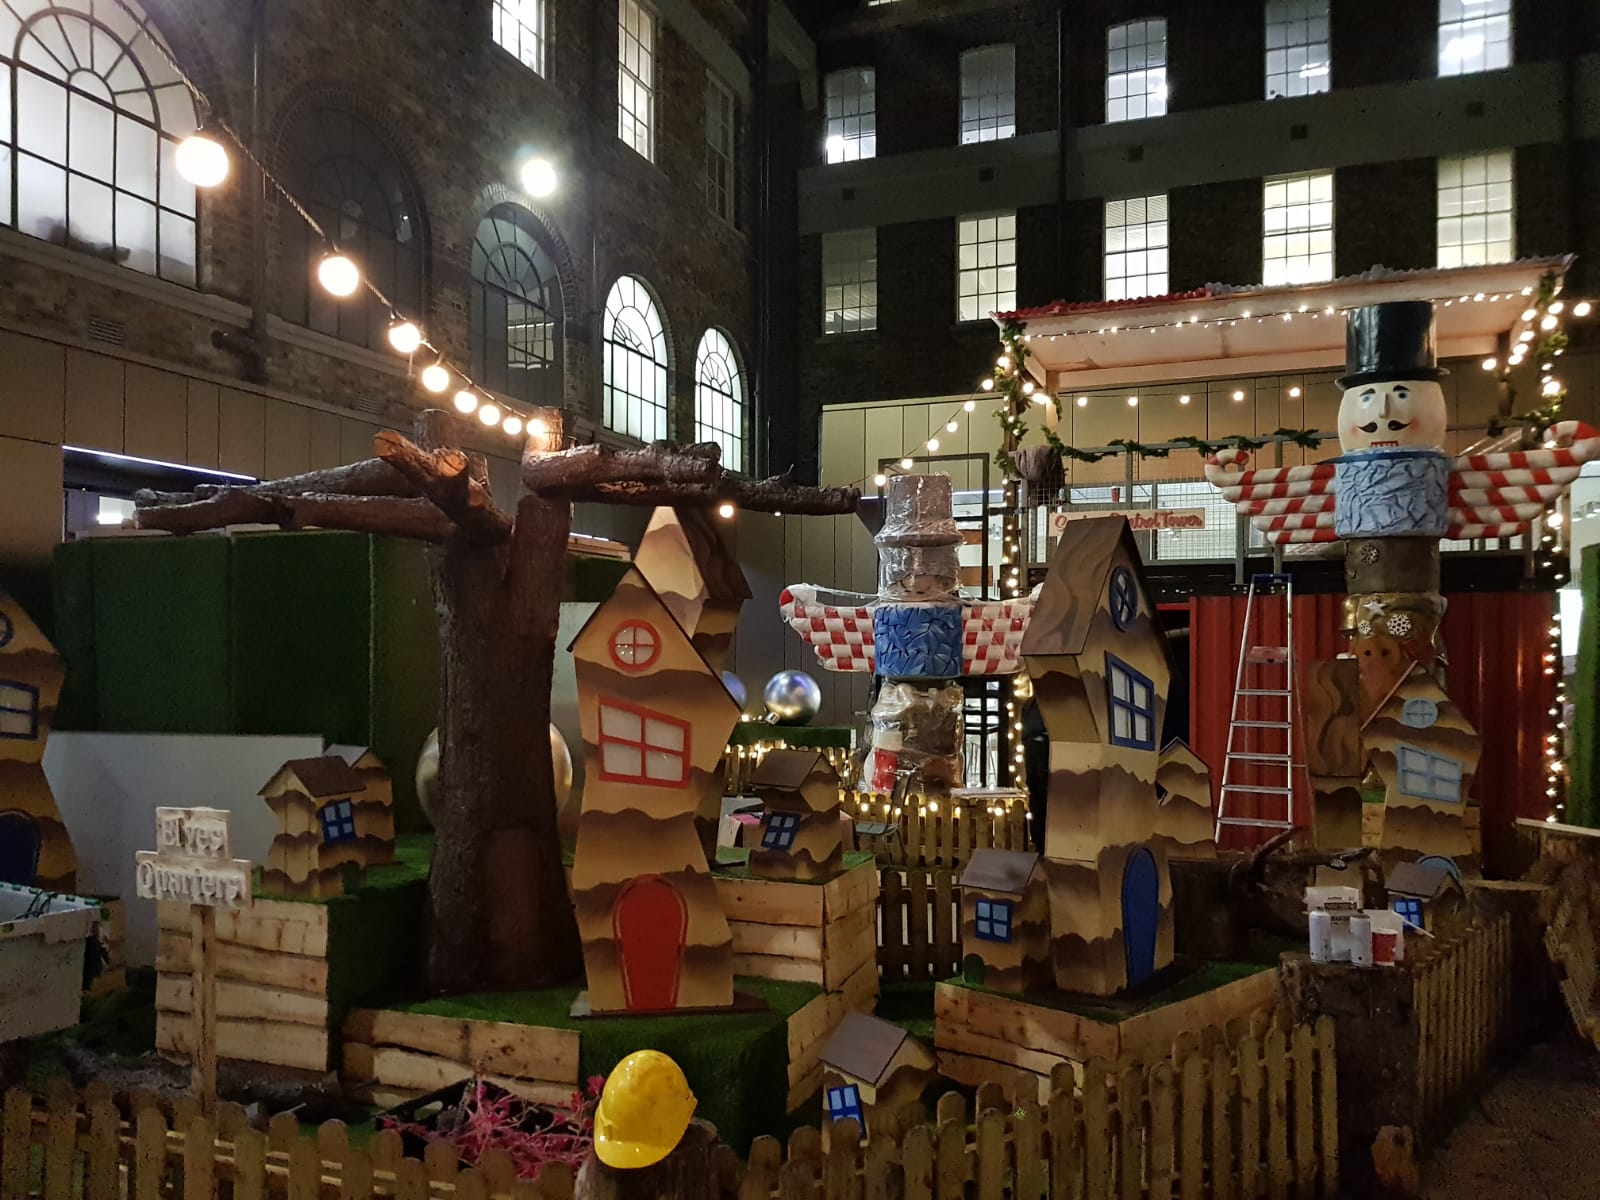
[[329, 775], [350, 754], [786, 770], [1419, 879], [1000, 870], [1069, 598], [862, 1046], [686, 541]]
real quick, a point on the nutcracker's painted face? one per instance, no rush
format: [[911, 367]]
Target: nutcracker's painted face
[[1400, 414]]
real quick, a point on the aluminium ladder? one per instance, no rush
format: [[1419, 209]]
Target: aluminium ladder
[[1260, 761]]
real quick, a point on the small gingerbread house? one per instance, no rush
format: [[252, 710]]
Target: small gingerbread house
[[379, 793], [873, 1072], [1005, 921], [34, 846], [800, 835], [328, 826], [1183, 803], [1424, 893]]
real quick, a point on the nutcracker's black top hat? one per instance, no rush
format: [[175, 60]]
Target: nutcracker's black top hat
[[1390, 341]]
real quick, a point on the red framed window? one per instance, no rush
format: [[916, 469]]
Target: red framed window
[[635, 645], [638, 745]]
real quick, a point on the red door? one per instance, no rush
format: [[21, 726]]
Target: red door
[[649, 921]]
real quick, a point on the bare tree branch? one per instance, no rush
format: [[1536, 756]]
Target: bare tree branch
[[445, 477], [387, 516], [369, 477], [767, 495]]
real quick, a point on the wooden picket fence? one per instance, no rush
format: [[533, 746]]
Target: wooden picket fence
[[742, 761], [1254, 1120], [1462, 998], [919, 923], [83, 1148], [935, 832]]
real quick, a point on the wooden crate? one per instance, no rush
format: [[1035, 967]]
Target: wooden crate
[[812, 1025], [818, 933], [272, 983], [390, 1057], [984, 1037]]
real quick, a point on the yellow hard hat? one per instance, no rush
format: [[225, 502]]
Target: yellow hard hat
[[644, 1109]]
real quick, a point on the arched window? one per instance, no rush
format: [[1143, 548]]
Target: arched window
[[636, 362], [88, 145], [357, 190], [516, 309], [719, 397]]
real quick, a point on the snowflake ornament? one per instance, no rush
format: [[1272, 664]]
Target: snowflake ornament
[[1400, 625], [1364, 628], [1368, 554]]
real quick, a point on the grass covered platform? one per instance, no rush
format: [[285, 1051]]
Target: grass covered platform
[[736, 1063], [734, 862]]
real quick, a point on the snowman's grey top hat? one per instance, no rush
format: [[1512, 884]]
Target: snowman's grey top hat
[[1383, 342]]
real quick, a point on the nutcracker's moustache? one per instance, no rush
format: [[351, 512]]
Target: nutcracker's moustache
[[1394, 426]]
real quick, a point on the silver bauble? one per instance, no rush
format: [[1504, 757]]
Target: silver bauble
[[792, 697], [735, 687], [428, 771]]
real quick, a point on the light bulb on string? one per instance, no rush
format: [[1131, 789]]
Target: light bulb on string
[[1184, 399], [1027, 387], [405, 337], [933, 445], [538, 176], [1083, 401], [879, 479], [489, 414], [202, 159], [1529, 314], [1490, 364], [338, 275], [951, 426], [970, 405], [1582, 308], [1548, 322], [467, 401], [512, 425], [1556, 306], [725, 510], [436, 377], [987, 385], [537, 426], [905, 464]]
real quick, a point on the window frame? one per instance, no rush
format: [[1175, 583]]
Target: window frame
[[1122, 597], [646, 348], [1151, 102], [1297, 31], [1497, 53], [987, 74], [1313, 273], [615, 645], [1492, 249], [1117, 215], [842, 141], [993, 920], [341, 826], [720, 401], [781, 830], [8, 707], [1412, 903], [506, 21], [837, 275], [984, 301], [643, 745], [848, 1106], [1117, 668], [635, 130], [722, 115], [509, 250], [1441, 789]]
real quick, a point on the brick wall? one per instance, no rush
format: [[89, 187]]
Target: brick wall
[[1385, 214], [1215, 234]]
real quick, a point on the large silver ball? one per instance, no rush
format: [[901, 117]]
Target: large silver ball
[[793, 697], [428, 771], [735, 687]]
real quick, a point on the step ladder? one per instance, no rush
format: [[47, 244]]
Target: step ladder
[[1260, 765]]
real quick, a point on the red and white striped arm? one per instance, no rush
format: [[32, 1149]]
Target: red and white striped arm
[[1500, 494], [840, 637], [1288, 504], [991, 636]]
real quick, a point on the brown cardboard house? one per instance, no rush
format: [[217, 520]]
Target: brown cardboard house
[[1005, 920], [330, 826], [800, 835], [1183, 794], [873, 1072], [1425, 893], [34, 846]]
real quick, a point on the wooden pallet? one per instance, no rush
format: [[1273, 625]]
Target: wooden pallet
[[814, 1024], [819, 933]]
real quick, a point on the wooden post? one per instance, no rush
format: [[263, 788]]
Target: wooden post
[[204, 925]]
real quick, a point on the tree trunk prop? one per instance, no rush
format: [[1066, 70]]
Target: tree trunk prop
[[688, 1173], [500, 918]]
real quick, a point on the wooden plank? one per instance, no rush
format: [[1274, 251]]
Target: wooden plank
[[768, 966], [14, 1153], [495, 1047], [101, 1178], [150, 1153], [840, 1173], [850, 890], [891, 955], [973, 1071], [1328, 1106], [60, 1148], [1031, 1178], [287, 926], [1251, 1085], [295, 972], [785, 941], [797, 1180], [175, 994], [1131, 1127], [1305, 1140], [254, 1041], [411, 1181], [761, 1172], [993, 1169], [1097, 1131], [848, 942], [1193, 1100], [470, 1185], [1066, 1146], [305, 1171], [250, 1165], [917, 924], [1276, 1058], [199, 1156], [917, 1163], [771, 902], [951, 1163], [879, 1174], [950, 1036], [1014, 1019], [945, 948], [1162, 1136], [1224, 1120]]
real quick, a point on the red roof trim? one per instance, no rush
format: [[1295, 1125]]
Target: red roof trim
[[1063, 308]]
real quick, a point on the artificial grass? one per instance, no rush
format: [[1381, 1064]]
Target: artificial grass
[[910, 1006], [734, 862], [735, 1062]]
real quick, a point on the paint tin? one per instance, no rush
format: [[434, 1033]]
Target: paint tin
[[1321, 937], [1361, 941]]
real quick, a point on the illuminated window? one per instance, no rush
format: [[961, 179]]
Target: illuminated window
[[992, 920], [516, 318], [1428, 776], [844, 1103], [1297, 221], [721, 122], [1132, 705], [719, 398], [781, 828], [338, 822], [850, 281], [1136, 247], [19, 711], [636, 77], [851, 99], [1409, 908], [635, 646], [88, 149], [1136, 70], [640, 746], [1474, 35], [1297, 47], [519, 29], [986, 265], [988, 94], [635, 362], [1477, 210]]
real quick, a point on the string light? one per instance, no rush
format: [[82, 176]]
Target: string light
[[338, 275], [951, 426], [933, 445], [1582, 308], [436, 377], [971, 405], [1490, 364], [538, 177], [725, 510], [1184, 399], [537, 426], [201, 159], [405, 337], [1238, 395], [512, 425], [489, 414], [1133, 402], [905, 464], [466, 401], [880, 479], [1083, 401]]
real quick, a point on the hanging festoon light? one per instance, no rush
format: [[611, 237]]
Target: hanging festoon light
[[466, 401], [512, 425], [404, 336], [539, 178], [202, 159], [725, 510], [436, 377], [338, 275], [489, 414]]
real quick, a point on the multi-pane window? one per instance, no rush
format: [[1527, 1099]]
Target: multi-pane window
[[338, 822], [1136, 70], [88, 149], [1428, 776], [991, 920], [721, 123], [638, 745], [1132, 705], [1476, 210], [635, 390], [719, 397], [1297, 47], [1474, 35], [1297, 228], [519, 30], [19, 710], [516, 308], [986, 265], [851, 100], [1409, 909], [781, 828], [356, 189], [636, 77], [635, 646], [988, 94], [850, 281], [1136, 247], [844, 1103]]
